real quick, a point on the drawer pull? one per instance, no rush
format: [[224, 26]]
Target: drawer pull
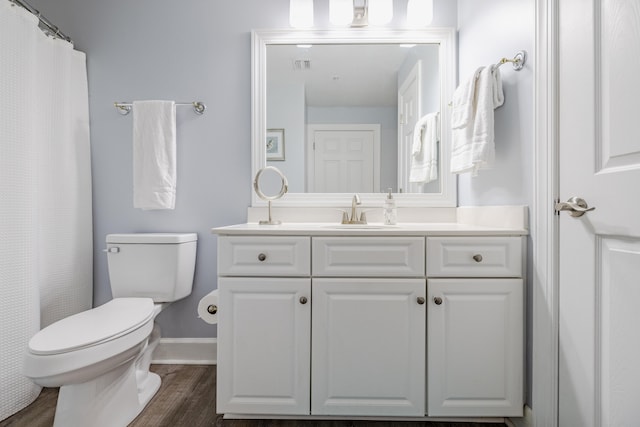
[[262, 257], [303, 300], [477, 258], [420, 300], [437, 300]]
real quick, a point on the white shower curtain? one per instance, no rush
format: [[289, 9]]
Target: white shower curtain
[[45, 192]]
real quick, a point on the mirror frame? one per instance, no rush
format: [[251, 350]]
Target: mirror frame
[[445, 37]]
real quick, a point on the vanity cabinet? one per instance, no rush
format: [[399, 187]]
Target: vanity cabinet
[[370, 325], [264, 326], [368, 347], [475, 326], [368, 340]]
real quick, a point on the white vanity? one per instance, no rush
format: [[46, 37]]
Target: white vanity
[[414, 321]]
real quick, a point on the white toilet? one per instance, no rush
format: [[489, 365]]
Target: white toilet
[[100, 358]]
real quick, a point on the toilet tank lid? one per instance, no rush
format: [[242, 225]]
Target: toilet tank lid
[[152, 238]]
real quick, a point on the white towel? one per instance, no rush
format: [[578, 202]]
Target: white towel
[[154, 154], [424, 151], [473, 145], [463, 102]]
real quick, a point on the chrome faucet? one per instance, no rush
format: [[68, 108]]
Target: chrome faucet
[[354, 214]]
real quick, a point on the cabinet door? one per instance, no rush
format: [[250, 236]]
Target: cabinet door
[[263, 346], [475, 347], [368, 349]]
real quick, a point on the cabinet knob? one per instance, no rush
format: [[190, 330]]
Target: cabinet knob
[[262, 257], [303, 300], [420, 300], [477, 258], [437, 300]]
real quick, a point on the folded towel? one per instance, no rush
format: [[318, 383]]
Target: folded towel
[[462, 102], [473, 145], [154, 154], [424, 151]]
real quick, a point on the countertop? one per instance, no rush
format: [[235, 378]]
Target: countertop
[[372, 229]]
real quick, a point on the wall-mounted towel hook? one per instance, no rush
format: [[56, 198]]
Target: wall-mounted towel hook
[[517, 62], [124, 108]]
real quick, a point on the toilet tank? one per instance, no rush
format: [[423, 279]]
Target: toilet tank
[[153, 265]]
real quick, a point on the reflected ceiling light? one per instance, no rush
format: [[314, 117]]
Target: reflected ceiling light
[[301, 13], [340, 12], [419, 13], [380, 11]]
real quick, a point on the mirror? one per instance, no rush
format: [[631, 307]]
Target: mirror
[[323, 100], [266, 184]]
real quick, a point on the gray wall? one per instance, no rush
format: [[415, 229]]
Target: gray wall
[[286, 110], [488, 31], [200, 50]]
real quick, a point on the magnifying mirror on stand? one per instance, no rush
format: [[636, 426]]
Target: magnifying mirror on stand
[[269, 184]]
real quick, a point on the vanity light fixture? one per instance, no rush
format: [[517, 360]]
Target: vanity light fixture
[[361, 13], [380, 11], [419, 13], [341, 12], [301, 13]]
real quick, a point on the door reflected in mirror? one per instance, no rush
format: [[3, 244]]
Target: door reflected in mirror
[[348, 104]]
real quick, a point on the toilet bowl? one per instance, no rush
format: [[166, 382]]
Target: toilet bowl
[[100, 357]]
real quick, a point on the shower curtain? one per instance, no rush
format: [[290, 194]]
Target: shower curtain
[[46, 249]]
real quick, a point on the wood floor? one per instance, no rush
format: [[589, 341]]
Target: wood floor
[[187, 398]]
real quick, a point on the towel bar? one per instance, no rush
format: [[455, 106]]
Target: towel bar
[[124, 108], [518, 60]]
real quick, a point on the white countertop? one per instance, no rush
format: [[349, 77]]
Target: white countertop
[[461, 221], [372, 229]]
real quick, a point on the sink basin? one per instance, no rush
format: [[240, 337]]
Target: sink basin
[[359, 227]]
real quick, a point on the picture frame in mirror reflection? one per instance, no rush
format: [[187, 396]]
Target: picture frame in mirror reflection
[[275, 144]]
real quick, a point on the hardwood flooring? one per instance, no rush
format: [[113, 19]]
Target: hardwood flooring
[[187, 398]]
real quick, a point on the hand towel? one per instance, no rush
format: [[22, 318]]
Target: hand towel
[[424, 152], [473, 145], [462, 102], [154, 154]]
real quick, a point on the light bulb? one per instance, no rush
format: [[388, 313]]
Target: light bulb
[[301, 13], [419, 13], [340, 12], [380, 11]]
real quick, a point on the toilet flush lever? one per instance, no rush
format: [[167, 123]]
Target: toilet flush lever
[[113, 250]]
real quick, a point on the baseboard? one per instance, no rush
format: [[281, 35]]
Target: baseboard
[[186, 351], [525, 421]]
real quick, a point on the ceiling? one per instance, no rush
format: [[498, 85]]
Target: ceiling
[[339, 75]]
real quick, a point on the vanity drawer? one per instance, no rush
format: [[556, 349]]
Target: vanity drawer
[[368, 256], [474, 256], [264, 256]]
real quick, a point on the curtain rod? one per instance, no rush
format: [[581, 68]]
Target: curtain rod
[[52, 28]]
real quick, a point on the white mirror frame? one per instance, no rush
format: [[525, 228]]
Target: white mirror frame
[[445, 37]]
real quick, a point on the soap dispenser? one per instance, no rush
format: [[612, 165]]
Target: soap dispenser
[[390, 213]]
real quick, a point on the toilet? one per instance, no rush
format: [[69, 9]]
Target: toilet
[[100, 358]]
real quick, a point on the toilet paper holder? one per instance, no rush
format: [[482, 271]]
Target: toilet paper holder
[[212, 309]]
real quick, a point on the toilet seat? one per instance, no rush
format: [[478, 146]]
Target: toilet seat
[[107, 322]]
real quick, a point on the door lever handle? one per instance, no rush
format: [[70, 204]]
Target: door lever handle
[[575, 205]]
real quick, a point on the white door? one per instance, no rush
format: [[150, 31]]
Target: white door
[[368, 348], [408, 114], [599, 269], [264, 335], [475, 347], [344, 159]]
